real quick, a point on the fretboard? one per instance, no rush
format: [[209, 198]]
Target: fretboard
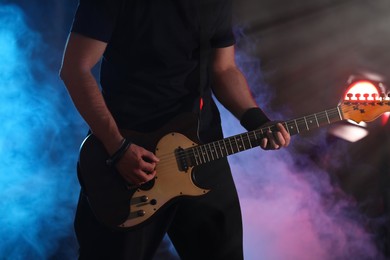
[[219, 149]]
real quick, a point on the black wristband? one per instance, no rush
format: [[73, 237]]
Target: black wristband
[[253, 118], [111, 161]]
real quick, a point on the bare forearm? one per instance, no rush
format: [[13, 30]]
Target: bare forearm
[[88, 100], [231, 89]]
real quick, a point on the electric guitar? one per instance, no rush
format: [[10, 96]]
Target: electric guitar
[[120, 206]]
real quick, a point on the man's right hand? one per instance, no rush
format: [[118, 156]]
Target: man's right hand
[[137, 165]]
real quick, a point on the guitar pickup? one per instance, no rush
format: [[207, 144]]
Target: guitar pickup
[[181, 159]]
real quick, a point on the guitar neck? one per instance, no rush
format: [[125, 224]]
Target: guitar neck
[[231, 145]]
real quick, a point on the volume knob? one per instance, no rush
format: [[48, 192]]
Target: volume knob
[[141, 213]]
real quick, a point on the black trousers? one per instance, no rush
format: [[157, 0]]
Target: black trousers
[[204, 227]]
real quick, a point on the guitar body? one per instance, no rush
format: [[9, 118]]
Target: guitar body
[[116, 204]]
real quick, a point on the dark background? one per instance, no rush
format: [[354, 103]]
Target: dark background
[[302, 54], [308, 50]]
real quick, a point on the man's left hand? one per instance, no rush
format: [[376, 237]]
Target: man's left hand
[[276, 139]]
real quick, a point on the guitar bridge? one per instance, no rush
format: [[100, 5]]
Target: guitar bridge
[[181, 159]]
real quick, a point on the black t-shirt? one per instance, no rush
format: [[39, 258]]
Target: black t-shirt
[[150, 70]]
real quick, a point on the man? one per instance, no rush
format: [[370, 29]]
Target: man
[[154, 54]]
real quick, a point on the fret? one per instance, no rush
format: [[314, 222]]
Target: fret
[[339, 112], [202, 153], [207, 154], [211, 152], [335, 115], [242, 145], [198, 155], [257, 135], [286, 126], [231, 146], [243, 142], [216, 151], [222, 148], [327, 117], [254, 133], [312, 121], [296, 126], [318, 125], [262, 133], [249, 140], [307, 127], [321, 119], [301, 124]]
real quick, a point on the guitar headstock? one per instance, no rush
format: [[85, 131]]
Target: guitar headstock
[[365, 101]]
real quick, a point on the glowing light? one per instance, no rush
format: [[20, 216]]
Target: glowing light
[[385, 118], [349, 131], [362, 90]]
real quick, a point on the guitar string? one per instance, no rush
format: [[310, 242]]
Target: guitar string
[[249, 137], [207, 150], [244, 137]]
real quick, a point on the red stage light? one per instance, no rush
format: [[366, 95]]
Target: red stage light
[[385, 118], [362, 90], [364, 101]]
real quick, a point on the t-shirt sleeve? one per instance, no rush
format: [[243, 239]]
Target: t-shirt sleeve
[[223, 35], [96, 18]]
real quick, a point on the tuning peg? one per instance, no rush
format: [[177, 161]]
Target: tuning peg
[[366, 96], [350, 95], [357, 96], [383, 96], [374, 95]]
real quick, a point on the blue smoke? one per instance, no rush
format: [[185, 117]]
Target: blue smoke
[[38, 187], [289, 211]]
